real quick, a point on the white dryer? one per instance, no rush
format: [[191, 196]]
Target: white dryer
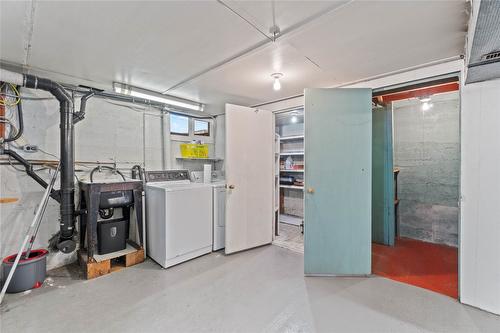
[[179, 217], [219, 215], [219, 207]]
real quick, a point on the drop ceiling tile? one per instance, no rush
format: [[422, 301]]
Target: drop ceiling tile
[[366, 38], [149, 44], [248, 80], [286, 13], [14, 28]]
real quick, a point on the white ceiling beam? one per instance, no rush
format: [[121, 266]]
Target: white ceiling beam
[[29, 24], [234, 11]]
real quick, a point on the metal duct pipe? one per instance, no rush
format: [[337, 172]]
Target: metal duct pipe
[[65, 243]]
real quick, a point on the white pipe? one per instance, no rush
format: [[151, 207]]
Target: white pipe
[[11, 77]]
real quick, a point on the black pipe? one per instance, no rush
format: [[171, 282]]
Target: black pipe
[[78, 116], [66, 243], [29, 170], [20, 120], [137, 171]]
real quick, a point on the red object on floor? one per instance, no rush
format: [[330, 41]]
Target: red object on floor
[[425, 265]]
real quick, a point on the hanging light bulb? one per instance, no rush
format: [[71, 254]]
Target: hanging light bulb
[[294, 119], [426, 105], [277, 83]]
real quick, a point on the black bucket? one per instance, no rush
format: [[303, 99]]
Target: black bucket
[[30, 273]]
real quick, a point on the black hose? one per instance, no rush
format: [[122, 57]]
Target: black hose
[[106, 213], [104, 167], [20, 120], [137, 171]]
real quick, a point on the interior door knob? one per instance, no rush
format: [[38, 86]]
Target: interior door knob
[[231, 187], [310, 190]]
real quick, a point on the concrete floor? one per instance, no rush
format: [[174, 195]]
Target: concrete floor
[[290, 238], [262, 290]]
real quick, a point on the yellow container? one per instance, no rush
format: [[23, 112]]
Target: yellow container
[[192, 150]]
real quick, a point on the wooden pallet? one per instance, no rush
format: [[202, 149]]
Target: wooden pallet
[[93, 269]]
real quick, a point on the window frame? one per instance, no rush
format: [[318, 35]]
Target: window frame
[[188, 124], [208, 133], [208, 139]]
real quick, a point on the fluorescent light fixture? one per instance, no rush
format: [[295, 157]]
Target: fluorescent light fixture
[[125, 89], [277, 83]]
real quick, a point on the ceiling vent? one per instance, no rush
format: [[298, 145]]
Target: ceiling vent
[[484, 57], [492, 56]]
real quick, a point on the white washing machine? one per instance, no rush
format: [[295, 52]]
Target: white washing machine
[[179, 217]]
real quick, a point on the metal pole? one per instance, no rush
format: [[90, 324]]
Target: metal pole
[[27, 237], [40, 212]]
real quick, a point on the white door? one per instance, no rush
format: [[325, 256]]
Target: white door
[[249, 177]]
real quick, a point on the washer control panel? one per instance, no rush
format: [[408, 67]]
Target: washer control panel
[[166, 175]]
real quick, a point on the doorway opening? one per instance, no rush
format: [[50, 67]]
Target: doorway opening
[[289, 178], [424, 127], [415, 146]]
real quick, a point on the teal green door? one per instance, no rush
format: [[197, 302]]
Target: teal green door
[[338, 167], [383, 220]]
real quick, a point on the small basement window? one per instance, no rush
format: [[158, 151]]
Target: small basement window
[[179, 124], [201, 127]]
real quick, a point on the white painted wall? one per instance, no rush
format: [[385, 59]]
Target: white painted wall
[[109, 131], [480, 190]]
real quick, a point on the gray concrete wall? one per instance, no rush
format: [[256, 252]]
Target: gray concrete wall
[[126, 133], [427, 151], [109, 131]]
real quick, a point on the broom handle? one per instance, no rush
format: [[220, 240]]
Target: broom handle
[[25, 241], [41, 211]]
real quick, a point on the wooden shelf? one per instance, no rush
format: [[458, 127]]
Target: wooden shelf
[[292, 153], [292, 170], [291, 219], [293, 187], [199, 159], [292, 137]]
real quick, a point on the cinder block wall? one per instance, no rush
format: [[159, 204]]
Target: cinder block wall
[[427, 151]]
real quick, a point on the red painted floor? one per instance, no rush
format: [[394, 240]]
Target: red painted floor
[[426, 265]]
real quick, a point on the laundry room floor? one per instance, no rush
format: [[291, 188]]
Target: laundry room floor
[[260, 290]]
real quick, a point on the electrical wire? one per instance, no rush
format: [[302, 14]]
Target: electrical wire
[[16, 94], [47, 153], [13, 130], [28, 97]]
